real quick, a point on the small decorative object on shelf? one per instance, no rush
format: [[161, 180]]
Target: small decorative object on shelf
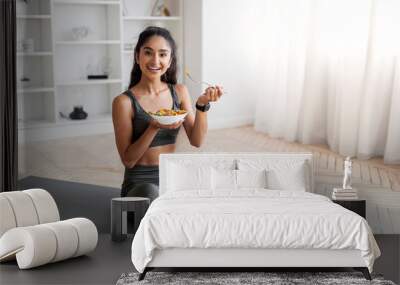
[[80, 33], [78, 113], [347, 173], [19, 46], [347, 192], [25, 81], [160, 9], [102, 70], [129, 47], [105, 65], [28, 45], [102, 76], [344, 194]]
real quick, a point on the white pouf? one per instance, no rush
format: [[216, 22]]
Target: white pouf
[[31, 232]]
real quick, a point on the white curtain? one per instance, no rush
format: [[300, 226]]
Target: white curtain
[[330, 73]]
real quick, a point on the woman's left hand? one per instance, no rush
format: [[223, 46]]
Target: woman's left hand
[[211, 94]]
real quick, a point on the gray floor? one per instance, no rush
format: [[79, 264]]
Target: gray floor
[[111, 259], [77, 199], [102, 266]]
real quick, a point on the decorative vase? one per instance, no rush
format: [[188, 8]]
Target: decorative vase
[[78, 113]]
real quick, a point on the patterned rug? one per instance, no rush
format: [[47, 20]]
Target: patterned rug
[[269, 278]]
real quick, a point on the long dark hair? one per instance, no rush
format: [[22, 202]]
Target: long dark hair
[[170, 75]]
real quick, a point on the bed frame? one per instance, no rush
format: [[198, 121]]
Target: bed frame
[[249, 258], [245, 259]]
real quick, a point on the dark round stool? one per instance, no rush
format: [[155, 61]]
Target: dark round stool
[[119, 209]]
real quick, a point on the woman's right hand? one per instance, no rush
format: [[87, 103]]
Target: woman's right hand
[[156, 125]]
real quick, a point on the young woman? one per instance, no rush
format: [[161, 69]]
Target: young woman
[[153, 86]]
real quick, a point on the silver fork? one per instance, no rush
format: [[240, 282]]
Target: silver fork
[[196, 81], [199, 82]]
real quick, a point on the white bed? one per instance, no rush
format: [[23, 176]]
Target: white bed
[[209, 222]]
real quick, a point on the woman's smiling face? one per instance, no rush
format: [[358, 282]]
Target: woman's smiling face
[[154, 57]]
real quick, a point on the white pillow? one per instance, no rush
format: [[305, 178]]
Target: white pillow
[[223, 179], [236, 179], [251, 178], [291, 179], [281, 174], [183, 177]]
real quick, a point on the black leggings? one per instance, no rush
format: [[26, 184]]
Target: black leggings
[[141, 181]]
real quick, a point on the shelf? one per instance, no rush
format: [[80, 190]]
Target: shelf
[[24, 124], [89, 82], [34, 17], [35, 53], [151, 18], [35, 90], [99, 118], [131, 42], [86, 2], [88, 42]]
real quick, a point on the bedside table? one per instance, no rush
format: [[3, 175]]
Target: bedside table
[[357, 206], [119, 215]]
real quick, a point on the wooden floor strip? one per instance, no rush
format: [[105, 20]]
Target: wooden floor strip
[[375, 177], [339, 165], [384, 178], [323, 161], [393, 181], [356, 171], [331, 163], [365, 176], [316, 156]]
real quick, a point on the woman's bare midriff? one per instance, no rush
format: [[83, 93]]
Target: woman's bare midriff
[[151, 156]]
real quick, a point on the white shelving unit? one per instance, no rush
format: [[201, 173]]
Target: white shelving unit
[[60, 62], [34, 63]]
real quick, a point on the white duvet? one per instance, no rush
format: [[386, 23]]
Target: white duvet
[[251, 218]]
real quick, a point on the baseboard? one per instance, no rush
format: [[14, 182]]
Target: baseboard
[[230, 122]]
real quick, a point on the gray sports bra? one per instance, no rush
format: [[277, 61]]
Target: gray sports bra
[[141, 121]]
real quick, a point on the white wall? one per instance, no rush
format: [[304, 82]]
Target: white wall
[[229, 54]]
